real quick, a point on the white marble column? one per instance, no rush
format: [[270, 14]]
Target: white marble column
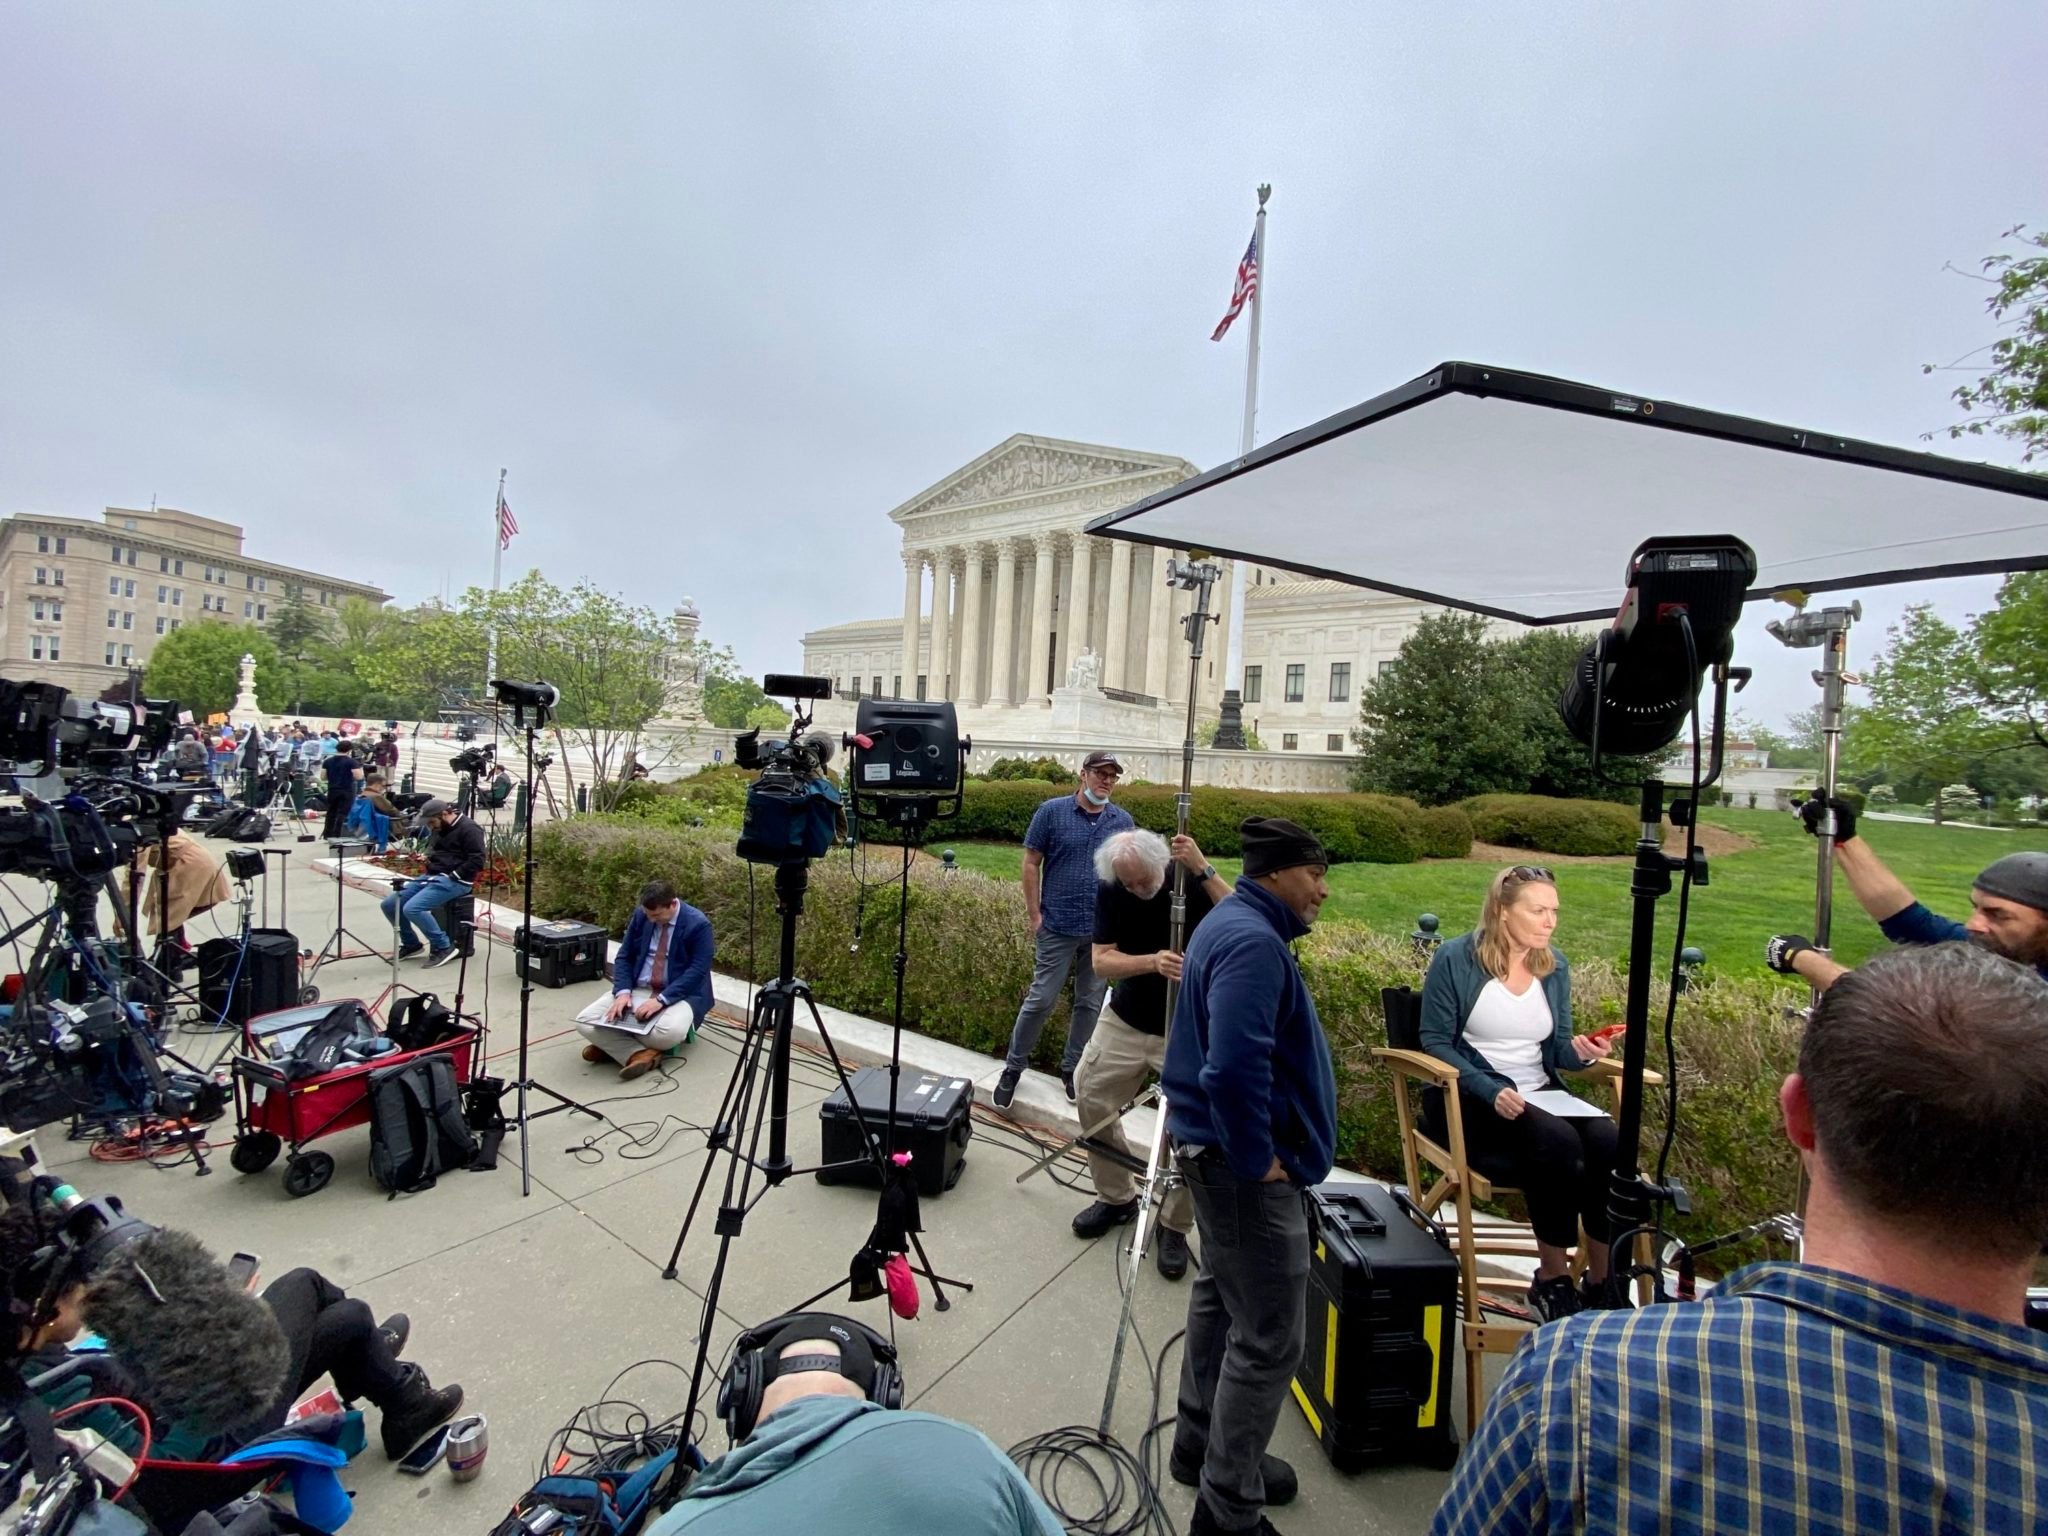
[[1116, 645], [1177, 649], [1159, 598], [969, 689], [1039, 650], [913, 596], [1002, 670], [958, 622], [1216, 657], [1081, 597], [942, 625]]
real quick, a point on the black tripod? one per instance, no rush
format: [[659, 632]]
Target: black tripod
[[740, 1118], [526, 1082]]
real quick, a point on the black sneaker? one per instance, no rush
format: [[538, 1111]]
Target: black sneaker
[[1598, 1298], [441, 957], [1067, 1078], [1281, 1483], [408, 951], [1172, 1253], [1554, 1298], [396, 1328], [1101, 1216], [1006, 1088]]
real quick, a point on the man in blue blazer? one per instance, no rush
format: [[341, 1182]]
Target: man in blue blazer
[[661, 985]]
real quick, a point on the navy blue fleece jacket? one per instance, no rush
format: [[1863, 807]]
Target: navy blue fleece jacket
[[1247, 1068]]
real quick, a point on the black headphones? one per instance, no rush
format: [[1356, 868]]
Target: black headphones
[[739, 1395]]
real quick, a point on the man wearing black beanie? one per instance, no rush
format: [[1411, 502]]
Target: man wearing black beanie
[[1251, 1109], [2008, 906]]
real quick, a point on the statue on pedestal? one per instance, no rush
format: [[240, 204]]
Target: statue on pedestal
[[682, 670], [1085, 671], [245, 707]]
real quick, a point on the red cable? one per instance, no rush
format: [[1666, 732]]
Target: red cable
[[141, 1423]]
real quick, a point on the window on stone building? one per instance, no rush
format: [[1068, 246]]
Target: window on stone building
[[1253, 678], [113, 618], [1335, 742], [163, 564], [42, 543], [160, 624], [920, 685], [1386, 669], [57, 576], [177, 567], [1289, 741], [259, 611], [127, 654], [53, 649], [1340, 682], [61, 541], [113, 586], [248, 610], [896, 685], [177, 597], [163, 594], [42, 576], [127, 621], [877, 689], [35, 647], [110, 655], [1297, 673], [127, 589]]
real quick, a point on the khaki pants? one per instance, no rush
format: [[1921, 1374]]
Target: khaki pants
[[1113, 1069], [672, 1027]]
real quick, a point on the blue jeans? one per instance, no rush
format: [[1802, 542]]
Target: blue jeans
[[418, 903], [1056, 955]]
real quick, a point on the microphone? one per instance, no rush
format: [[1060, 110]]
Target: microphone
[[821, 747], [204, 1353]]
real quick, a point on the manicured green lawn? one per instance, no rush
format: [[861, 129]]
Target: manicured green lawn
[[1750, 895]]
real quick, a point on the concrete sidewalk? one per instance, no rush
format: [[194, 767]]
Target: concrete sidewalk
[[535, 1304]]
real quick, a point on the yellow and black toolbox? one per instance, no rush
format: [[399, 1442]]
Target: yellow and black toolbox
[[1375, 1379]]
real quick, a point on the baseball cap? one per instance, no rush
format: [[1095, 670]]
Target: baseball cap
[[434, 808], [1101, 758]]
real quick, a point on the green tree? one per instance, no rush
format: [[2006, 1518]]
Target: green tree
[[1923, 713], [2010, 398], [299, 630], [770, 717], [730, 697], [200, 666], [432, 657], [2010, 645], [1536, 666]]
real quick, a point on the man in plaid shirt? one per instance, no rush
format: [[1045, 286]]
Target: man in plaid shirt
[[1886, 1383]]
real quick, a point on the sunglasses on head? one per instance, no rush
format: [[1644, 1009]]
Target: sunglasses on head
[[1521, 874]]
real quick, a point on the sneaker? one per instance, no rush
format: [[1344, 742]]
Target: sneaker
[[1281, 1483], [417, 1412], [441, 957], [1206, 1524], [1067, 1080], [1172, 1254], [408, 951], [1101, 1216], [396, 1328], [1554, 1298], [1597, 1298], [1006, 1088]]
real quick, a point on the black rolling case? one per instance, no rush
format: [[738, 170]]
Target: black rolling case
[[560, 954], [1375, 1377], [933, 1125], [238, 986]]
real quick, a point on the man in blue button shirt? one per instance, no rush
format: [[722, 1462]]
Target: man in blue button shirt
[[2009, 906], [1059, 894]]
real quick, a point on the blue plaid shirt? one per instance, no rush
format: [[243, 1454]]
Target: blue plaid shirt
[[1793, 1399], [1068, 836]]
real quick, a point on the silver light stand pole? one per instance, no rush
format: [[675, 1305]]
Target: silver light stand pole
[[1199, 577]]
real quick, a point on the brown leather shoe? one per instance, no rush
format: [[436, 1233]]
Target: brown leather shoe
[[639, 1064], [595, 1053]]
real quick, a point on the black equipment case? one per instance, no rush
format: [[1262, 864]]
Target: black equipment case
[[561, 954], [238, 985], [1375, 1378], [933, 1125]]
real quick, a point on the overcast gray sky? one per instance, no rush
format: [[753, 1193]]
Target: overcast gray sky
[[722, 285]]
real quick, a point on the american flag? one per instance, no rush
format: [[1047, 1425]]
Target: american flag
[[1247, 285], [506, 526]]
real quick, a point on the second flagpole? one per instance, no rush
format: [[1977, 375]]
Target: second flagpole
[[497, 567], [1233, 648]]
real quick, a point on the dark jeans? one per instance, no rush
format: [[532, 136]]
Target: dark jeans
[[1055, 955], [1564, 1166], [1246, 1327], [330, 1334], [337, 815]]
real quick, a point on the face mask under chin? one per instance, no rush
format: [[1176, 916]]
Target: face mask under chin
[[1094, 796]]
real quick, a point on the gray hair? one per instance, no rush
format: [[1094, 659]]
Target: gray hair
[[1149, 847]]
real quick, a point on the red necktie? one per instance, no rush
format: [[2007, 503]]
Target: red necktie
[[658, 977]]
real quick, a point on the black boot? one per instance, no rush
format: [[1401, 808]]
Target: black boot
[[416, 1410], [1101, 1216]]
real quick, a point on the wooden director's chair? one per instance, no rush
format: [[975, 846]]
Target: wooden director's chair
[[1436, 1137]]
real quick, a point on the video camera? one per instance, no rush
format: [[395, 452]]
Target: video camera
[[49, 734], [476, 759], [792, 814]]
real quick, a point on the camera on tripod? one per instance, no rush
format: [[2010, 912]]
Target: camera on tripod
[[793, 810], [475, 760]]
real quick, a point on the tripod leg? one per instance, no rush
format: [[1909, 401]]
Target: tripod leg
[[731, 1110]]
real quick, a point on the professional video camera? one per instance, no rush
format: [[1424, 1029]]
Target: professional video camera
[[476, 759], [51, 736], [792, 813]]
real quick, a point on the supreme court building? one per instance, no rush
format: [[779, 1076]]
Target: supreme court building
[[1050, 640]]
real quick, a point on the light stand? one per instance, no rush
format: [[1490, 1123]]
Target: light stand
[[336, 948], [522, 703], [1199, 577]]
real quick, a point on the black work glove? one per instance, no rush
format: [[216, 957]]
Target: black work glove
[[1813, 810], [1785, 948]]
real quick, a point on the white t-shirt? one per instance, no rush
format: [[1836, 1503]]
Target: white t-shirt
[[1509, 1032]]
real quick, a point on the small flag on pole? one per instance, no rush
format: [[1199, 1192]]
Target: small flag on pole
[[506, 526], [1247, 285]]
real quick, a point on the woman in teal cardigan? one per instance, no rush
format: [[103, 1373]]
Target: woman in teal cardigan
[[1497, 1005]]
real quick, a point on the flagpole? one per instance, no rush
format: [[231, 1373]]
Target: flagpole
[[1233, 665], [498, 560]]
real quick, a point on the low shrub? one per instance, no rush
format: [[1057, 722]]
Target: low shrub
[[1552, 826], [971, 958], [1446, 832], [1044, 770], [1882, 794]]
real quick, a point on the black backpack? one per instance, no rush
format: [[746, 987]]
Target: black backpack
[[417, 1128], [332, 1042], [421, 1021]]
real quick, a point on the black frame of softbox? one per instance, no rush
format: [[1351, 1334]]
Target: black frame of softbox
[[1486, 381]]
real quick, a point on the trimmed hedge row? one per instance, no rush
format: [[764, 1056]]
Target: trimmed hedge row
[[1446, 832], [971, 958], [1550, 825]]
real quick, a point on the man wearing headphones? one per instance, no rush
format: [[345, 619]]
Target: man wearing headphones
[[813, 1410]]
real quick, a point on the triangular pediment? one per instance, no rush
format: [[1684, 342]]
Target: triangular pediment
[[1032, 466]]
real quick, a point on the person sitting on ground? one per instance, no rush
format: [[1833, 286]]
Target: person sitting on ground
[[661, 985], [819, 1447], [1133, 918], [307, 1326], [2008, 905], [1497, 1005], [1885, 1382], [455, 858]]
